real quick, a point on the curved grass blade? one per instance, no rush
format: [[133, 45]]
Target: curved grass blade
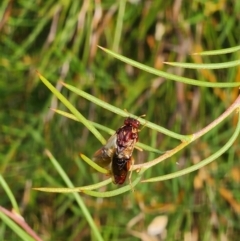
[[73, 189], [219, 51], [148, 148], [74, 111], [94, 165], [88, 192], [118, 191], [9, 194], [233, 107], [109, 131], [73, 117], [123, 113], [167, 75], [17, 230], [202, 163], [76, 196], [205, 66]]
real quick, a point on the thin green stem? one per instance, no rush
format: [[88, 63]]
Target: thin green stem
[[203, 162], [9, 194], [167, 75], [94, 165], [118, 191], [118, 29], [74, 111], [123, 113], [235, 105], [76, 196], [73, 189]]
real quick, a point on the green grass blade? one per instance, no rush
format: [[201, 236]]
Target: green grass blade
[[118, 191], [73, 117], [124, 113], [94, 165], [9, 194], [74, 189], [74, 111], [14, 147], [203, 162], [17, 230], [119, 25], [220, 51], [76, 196], [109, 131], [167, 75], [205, 66]]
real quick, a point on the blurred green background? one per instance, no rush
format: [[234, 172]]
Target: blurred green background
[[59, 39]]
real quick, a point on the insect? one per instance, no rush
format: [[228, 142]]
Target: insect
[[116, 155]]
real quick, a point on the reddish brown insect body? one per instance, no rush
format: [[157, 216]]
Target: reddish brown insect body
[[118, 150], [127, 136], [120, 168]]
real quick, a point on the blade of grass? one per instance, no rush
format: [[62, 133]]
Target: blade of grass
[[74, 111], [203, 162], [220, 51], [118, 191], [94, 165], [74, 189], [9, 194], [73, 117], [124, 113], [233, 107], [76, 196], [86, 190], [109, 131], [17, 230], [167, 75], [13, 149], [118, 29], [205, 66]]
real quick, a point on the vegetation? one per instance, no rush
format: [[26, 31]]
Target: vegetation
[[62, 96]]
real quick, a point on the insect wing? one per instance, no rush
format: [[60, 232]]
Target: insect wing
[[103, 156]]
